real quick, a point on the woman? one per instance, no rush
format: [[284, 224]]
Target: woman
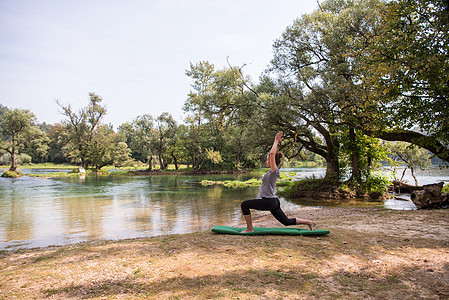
[[267, 198]]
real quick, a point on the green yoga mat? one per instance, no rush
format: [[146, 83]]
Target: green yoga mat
[[265, 231]]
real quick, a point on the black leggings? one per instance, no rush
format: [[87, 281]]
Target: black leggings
[[271, 204]]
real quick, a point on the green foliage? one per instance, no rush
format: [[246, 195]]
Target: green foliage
[[140, 137], [311, 184], [408, 63], [325, 101], [121, 155], [233, 183], [82, 128], [412, 156], [222, 118], [371, 152], [377, 183], [285, 180], [445, 188], [37, 145], [214, 156], [23, 159], [5, 159], [58, 151], [15, 127], [101, 147], [348, 73], [166, 129]]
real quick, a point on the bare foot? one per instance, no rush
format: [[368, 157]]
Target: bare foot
[[312, 225], [247, 230]]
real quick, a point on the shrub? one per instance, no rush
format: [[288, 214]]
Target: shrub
[[21, 159], [24, 159], [5, 159], [377, 183], [308, 186]]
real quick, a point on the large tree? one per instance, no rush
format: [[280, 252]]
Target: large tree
[[58, 151], [196, 105], [37, 146], [141, 137], [324, 100], [101, 147], [166, 128], [222, 106], [408, 60], [81, 127], [15, 126]]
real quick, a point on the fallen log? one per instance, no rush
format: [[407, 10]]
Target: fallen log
[[400, 198], [402, 187]]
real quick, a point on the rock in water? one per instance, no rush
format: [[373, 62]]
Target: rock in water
[[430, 196]]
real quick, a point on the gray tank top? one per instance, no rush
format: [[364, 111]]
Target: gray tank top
[[267, 189]]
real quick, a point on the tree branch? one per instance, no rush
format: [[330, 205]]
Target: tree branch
[[427, 142]]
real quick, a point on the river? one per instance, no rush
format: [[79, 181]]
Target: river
[[39, 212]]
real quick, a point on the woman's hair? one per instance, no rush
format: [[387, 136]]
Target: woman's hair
[[278, 157]]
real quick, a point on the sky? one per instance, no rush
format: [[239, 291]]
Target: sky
[[132, 53]]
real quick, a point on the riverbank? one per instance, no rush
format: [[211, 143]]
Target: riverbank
[[370, 254]]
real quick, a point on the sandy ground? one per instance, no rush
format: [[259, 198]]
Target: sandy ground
[[369, 254]]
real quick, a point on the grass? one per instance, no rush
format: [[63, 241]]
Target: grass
[[397, 257], [233, 183], [285, 180], [41, 166], [104, 171], [12, 174]]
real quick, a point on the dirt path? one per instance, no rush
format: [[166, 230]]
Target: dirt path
[[370, 254]]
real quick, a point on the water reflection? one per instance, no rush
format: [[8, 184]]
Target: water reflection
[[40, 212]]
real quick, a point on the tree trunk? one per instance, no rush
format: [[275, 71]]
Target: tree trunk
[[332, 167], [84, 163], [355, 157], [150, 163], [161, 161], [329, 151], [13, 156], [402, 187], [403, 173], [13, 160], [329, 154], [174, 160], [413, 175]]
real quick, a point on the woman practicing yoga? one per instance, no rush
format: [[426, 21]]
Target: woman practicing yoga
[[267, 199]]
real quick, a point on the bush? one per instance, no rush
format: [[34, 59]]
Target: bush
[[24, 159], [307, 187], [374, 188], [21, 159], [5, 159], [377, 183]]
